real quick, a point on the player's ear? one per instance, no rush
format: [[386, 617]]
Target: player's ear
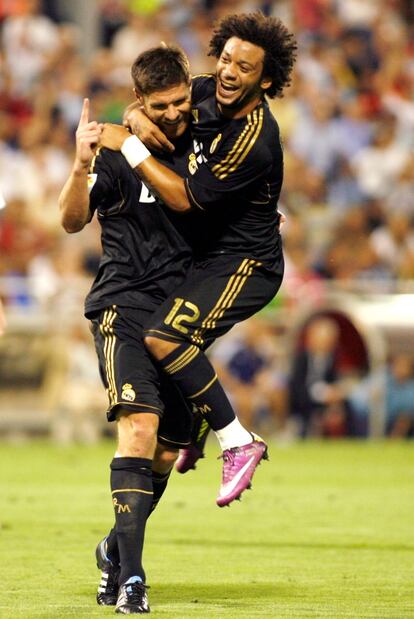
[[265, 83], [138, 96]]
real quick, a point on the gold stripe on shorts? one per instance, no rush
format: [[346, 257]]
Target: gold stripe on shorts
[[228, 296], [107, 331]]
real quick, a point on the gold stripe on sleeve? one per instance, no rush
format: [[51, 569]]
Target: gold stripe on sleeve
[[242, 147], [249, 127], [250, 145]]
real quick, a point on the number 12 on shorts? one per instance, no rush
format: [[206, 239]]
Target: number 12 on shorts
[[175, 320]]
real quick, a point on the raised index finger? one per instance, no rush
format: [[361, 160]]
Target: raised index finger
[[84, 117]]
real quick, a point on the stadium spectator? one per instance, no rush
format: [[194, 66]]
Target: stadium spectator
[[316, 389], [401, 195], [29, 41], [349, 256], [394, 239], [249, 365], [314, 140], [302, 279], [395, 384], [354, 127], [3, 321], [378, 166], [113, 16], [139, 33], [75, 389], [21, 239], [399, 397]]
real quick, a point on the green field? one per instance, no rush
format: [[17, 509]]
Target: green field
[[328, 531]]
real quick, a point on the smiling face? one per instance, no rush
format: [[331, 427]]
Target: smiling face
[[169, 109], [240, 81]]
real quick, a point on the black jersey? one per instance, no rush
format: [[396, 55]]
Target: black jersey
[[144, 257], [235, 175]]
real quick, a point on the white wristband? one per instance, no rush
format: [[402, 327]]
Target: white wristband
[[134, 151]]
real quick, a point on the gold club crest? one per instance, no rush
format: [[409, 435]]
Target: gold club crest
[[128, 393], [192, 164]]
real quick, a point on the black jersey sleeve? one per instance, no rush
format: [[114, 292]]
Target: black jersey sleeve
[[104, 172], [202, 86], [235, 166]]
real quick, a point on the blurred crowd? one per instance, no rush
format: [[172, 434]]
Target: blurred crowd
[[347, 124]]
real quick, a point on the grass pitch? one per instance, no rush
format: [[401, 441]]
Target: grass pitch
[[326, 532]]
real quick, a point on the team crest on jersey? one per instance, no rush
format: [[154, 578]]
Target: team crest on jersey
[[214, 143], [128, 393], [91, 181], [192, 164], [196, 158]]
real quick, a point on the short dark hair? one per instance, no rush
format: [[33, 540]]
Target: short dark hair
[[159, 68], [270, 34]]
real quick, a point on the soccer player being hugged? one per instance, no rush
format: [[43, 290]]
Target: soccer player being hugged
[[144, 259], [234, 178]]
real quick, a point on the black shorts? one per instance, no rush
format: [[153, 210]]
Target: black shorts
[[217, 294], [132, 380]]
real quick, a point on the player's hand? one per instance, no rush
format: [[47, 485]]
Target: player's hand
[[87, 137], [113, 136], [148, 132]]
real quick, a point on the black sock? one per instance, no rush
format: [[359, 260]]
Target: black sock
[[131, 485], [112, 551], [159, 484], [199, 431], [197, 380]]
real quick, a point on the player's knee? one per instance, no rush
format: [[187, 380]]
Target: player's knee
[[158, 348], [137, 433]]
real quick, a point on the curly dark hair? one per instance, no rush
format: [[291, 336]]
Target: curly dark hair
[[268, 33], [159, 68]]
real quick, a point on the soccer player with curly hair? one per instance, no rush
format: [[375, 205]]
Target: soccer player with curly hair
[[233, 180]]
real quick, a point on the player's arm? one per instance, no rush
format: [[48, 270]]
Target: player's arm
[[167, 185], [74, 197]]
